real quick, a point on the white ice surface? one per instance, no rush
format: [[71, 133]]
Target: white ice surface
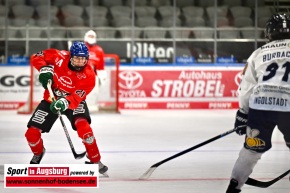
[[132, 141]]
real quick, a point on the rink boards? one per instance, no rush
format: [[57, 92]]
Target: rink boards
[[148, 87]]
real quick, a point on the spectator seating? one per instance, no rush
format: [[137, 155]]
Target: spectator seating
[[72, 10], [154, 32], [142, 11], [86, 3], [61, 3], [146, 21], [249, 32], [203, 32], [137, 3], [120, 11], [222, 11], [228, 33], [252, 4], [72, 21], [168, 11], [22, 11], [220, 22], [243, 22], [184, 3], [194, 22], [43, 11], [2, 10], [158, 3], [240, 11], [96, 11], [193, 11], [232, 3], [110, 3]]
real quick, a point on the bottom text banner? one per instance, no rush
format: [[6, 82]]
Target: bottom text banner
[[51, 176]]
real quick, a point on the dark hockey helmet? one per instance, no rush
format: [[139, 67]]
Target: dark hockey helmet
[[278, 27], [79, 49]]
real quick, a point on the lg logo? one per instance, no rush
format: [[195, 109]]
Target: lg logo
[[130, 80], [10, 80]]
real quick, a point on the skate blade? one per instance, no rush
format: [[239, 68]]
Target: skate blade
[[104, 175]]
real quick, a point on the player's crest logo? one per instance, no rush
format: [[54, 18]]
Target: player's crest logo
[[257, 90], [80, 75], [88, 138]]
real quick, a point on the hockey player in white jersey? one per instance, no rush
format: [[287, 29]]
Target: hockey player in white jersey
[[264, 99]]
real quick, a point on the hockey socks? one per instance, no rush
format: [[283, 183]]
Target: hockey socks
[[33, 137], [244, 166], [86, 134]]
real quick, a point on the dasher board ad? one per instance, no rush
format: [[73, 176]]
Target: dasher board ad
[[51, 176], [179, 87]]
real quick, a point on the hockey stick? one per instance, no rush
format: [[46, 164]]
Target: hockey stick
[[148, 173], [253, 182], [77, 156]]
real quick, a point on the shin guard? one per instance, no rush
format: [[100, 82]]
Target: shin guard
[[33, 137], [86, 134]]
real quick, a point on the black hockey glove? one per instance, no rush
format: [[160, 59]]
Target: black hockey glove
[[46, 73], [241, 122]]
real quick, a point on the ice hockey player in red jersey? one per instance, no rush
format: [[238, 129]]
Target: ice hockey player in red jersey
[[73, 79], [264, 99], [97, 62]]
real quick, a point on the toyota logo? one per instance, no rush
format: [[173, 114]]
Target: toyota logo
[[238, 78], [130, 80]]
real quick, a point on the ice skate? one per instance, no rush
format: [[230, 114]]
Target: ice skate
[[102, 168], [36, 159], [232, 187]]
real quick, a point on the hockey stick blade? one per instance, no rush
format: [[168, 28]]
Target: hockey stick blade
[[253, 182], [78, 156], [148, 173]]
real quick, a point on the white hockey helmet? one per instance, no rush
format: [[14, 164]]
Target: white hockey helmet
[[90, 37]]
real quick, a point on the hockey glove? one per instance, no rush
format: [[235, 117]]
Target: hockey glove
[[59, 105], [46, 73], [241, 122]]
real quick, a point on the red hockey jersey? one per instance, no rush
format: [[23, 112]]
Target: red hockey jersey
[[73, 85], [96, 59]]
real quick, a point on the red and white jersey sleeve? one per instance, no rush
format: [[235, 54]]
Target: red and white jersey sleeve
[[73, 85], [97, 57]]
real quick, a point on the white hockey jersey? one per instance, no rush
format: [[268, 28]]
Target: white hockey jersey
[[266, 82]]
